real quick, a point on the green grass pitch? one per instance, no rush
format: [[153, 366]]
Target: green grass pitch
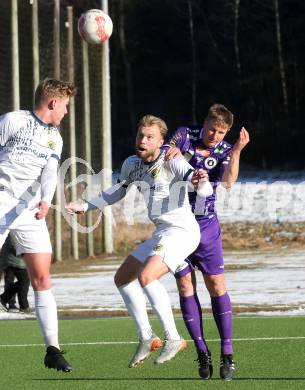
[[269, 351]]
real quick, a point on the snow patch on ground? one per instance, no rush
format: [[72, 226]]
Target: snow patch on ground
[[272, 280]]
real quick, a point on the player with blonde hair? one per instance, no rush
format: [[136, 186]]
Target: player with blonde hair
[[164, 186], [30, 149]]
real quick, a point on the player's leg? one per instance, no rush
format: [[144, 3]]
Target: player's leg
[[38, 265], [159, 299], [4, 231], [9, 281], [32, 240], [222, 312], [157, 295], [191, 309], [126, 280], [8, 299], [23, 284], [210, 261], [192, 316], [213, 270], [222, 309]]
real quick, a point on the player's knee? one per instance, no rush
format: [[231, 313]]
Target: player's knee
[[185, 287], [216, 285], [40, 283], [145, 278], [217, 289]]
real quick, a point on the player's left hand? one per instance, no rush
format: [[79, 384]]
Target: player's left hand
[[173, 153], [200, 175], [242, 141], [43, 210]]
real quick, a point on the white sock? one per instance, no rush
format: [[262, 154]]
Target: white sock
[[160, 302], [135, 303], [46, 313]]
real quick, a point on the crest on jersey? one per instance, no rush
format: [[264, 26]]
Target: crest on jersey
[[51, 144], [210, 162], [155, 172]]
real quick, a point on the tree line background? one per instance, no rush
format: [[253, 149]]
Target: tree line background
[[176, 58]]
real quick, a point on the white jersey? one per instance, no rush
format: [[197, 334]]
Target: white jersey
[[163, 185], [165, 190], [26, 145]]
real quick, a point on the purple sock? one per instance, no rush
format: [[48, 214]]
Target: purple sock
[[222, 312], [192, 316]]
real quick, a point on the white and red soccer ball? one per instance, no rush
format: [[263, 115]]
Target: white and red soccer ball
[[95, 26]]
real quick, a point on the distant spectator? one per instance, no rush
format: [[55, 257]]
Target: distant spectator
[[9, 279], [15, 265]]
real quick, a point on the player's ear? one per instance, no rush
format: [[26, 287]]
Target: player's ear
[[52, 104]]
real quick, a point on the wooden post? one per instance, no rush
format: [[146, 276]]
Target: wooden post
[[70, 64], [86, 106], [15, 55], [107, 239], [57, 213], [35, 43]]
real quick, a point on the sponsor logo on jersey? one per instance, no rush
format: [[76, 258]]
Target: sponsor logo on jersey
[[218, 151], [174, 140], [210, 162], [159, 248]]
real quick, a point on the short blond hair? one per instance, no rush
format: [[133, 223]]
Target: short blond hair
[[150, 120], [220, 113], [52, 88]]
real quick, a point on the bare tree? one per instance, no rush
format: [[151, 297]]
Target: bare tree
[[194, 61], [236, 35], [280, 55], [125, 57]]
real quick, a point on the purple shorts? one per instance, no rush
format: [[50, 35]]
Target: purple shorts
[[208, 257]]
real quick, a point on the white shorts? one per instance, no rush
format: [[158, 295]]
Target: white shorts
[[173, 244], [29, 234]]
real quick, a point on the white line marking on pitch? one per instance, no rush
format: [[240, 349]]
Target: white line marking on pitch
[[136, 342]]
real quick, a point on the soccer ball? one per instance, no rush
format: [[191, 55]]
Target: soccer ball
[[95, 26]]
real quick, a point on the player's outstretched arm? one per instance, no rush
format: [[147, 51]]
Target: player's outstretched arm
[[230, 175], [105, 198], [108, 197]]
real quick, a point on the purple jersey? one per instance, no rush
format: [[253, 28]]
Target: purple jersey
[[187, 139]]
